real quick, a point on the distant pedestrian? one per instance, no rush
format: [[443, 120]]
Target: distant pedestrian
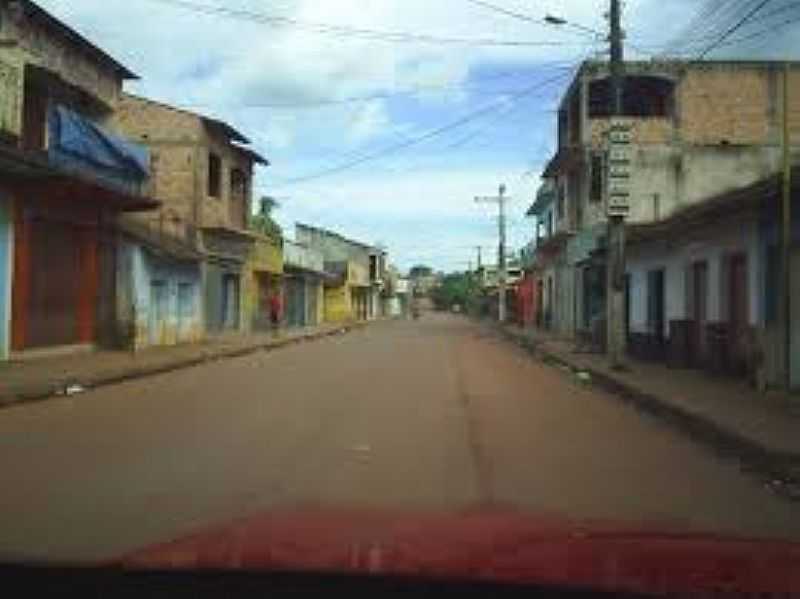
[[275, 311]]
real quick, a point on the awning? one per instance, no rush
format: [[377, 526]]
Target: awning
[[161, 246], [707, 212], [32, 172]]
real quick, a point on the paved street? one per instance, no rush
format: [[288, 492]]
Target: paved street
[[435, 415]]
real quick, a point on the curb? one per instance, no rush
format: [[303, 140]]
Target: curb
[[51, 390], [778, 470]]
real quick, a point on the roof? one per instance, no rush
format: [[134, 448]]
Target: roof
[[544, 197], [252, 154], [161, 246], [566, 158], [222, 128], [710, 210], [337, 235], [213, 124], [667, 62], [231, 232], [37, 13]]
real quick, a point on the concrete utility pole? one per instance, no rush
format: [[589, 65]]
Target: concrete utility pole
[[615, 294], [786, 238], [500, 200]]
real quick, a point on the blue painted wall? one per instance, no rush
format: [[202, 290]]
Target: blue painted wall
[[6, 254], [180, 318]]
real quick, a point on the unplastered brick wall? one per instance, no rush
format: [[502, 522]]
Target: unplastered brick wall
[[736, 104], [144, 121], [216, 211], [74, 64]]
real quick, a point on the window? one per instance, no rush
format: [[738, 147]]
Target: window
[[238, 183], [561, 201], [214, 175], [643, 97], [597, 175]]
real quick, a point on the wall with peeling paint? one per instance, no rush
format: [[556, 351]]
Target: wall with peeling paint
[[159, 300]]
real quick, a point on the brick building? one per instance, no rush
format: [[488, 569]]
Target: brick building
[[699, 131], [64, 178], [202, 174]]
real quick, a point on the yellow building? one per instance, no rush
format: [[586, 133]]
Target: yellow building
[[262, 276], [347, 292]]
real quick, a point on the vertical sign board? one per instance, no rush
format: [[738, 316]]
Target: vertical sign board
[[619, 169]]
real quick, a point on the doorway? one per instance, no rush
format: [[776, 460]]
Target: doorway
[[699, 310], [230, 301], [738, 307], [655, 304], [158, 312]]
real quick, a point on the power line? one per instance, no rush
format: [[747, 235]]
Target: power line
[[417, 140], [344, 31], [770, 29], [734, 28], [534, 20], [394, 94]]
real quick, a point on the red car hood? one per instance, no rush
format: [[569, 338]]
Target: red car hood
[[494, 546]]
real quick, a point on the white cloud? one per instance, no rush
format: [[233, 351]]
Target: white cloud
[[227, 68]]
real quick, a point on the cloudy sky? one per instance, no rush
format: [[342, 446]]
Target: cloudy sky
[[383, 119]]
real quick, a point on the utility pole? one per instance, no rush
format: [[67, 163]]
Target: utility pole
[[480, 256], [786, 237], [500, 200], [617, 205]]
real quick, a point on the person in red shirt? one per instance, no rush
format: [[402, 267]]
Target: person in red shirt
[[275, 309]]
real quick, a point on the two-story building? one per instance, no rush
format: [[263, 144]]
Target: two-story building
[[348, 288], [202, 175], [699, 131], [64, 179]]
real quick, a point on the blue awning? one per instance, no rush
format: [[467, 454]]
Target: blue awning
[[75, 141]]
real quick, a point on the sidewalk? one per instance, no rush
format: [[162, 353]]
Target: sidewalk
[[762, 430], [47, 377]]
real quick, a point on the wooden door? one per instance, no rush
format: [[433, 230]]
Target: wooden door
[[55, 282]]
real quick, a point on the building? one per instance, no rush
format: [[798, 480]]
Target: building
[[305, 284], [377, 279], [396, 298], [64, 180], [704, 285], [685, 121], [202, 175], [349, 287]]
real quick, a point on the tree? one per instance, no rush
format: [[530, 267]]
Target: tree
[[263, 222], [420, 271], [456, 289]]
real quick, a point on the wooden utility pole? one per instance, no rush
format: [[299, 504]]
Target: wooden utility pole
[[786, 237], [480, 256], [500, 200], [615, 288]]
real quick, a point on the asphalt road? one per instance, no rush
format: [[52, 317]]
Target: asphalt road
[[432, 416]]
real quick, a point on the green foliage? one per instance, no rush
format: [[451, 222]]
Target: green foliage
[[456, 289], [263, 222]]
